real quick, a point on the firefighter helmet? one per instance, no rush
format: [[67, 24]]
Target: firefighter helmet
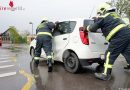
[[44, 20], [104, 7]]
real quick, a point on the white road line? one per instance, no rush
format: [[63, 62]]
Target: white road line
[[3, 58], [5, 61], [6, 55], [6, 66], [7, 74]]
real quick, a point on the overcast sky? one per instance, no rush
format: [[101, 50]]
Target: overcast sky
[[36, 10]]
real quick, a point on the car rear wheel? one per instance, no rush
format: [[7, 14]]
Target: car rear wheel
[[32, 52], [71, 63]]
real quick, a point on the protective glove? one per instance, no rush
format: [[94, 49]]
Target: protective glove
[[87, 29]]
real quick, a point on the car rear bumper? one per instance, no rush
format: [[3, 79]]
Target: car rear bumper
[[84, 52], [86, 62]]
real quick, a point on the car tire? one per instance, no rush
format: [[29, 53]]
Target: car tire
[[32, 51], [99, 69], [33, 68], [71, 63]]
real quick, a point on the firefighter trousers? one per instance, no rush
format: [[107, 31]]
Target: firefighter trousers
[[119, 44], [45, 42]]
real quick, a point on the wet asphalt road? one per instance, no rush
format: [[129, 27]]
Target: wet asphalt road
[[59, 79], [11, 77]]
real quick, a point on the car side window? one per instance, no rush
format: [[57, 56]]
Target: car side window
[[64, 28], [72, 26], [56, 31]]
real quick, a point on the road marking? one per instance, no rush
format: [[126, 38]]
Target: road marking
[[28, 85], [6, 66], [5, 61], [7, 74], [13, 59], [6, 55], [3, 58]]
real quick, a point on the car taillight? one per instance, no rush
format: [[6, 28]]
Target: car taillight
[[84, 36]]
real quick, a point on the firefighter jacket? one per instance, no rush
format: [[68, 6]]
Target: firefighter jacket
[[110, 24], [45, 28]]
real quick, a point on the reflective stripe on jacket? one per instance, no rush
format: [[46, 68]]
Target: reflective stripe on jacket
[[114, 31], [44, 33], [45, 28]]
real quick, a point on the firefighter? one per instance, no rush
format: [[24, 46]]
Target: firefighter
[[117, 33], [43, 40]]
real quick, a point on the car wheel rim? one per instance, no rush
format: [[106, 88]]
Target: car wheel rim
[[71, 62]]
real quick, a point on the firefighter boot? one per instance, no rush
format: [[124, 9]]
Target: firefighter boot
[[127, 68], [104, 77], [50, 67]]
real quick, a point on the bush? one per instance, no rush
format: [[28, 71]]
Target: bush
[[15, 37]]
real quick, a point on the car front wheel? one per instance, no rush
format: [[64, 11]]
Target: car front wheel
[[32, 52]]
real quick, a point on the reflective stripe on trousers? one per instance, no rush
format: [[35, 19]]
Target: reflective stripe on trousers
[[107, 65], [36, 58], [49, 57]]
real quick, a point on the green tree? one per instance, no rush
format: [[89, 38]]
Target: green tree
[[24, 39], [128, 14], [15, 37], [123, 7]]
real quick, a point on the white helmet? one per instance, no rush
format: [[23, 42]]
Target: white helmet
[[103, 8]]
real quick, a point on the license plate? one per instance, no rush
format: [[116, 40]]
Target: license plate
[[102, 56]]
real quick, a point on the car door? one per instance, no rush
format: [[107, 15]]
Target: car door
[[61, 38], [33, 44]]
